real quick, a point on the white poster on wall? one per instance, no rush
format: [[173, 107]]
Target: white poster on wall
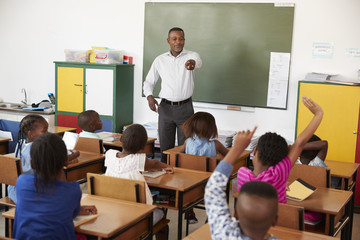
[[278, 79]]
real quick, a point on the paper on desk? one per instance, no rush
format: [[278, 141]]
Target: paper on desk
[[278, 79], [6, 134], [81, 219], [70, 139]]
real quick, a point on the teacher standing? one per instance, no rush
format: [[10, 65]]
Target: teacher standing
[[176, 70]]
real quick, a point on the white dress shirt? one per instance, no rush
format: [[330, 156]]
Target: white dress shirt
[[177, 83]]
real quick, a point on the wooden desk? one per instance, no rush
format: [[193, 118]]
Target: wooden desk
[[330, 202], [117, 144], [347, 172], [344, 170], [60, 130], [117, 218], [186, 186], [4, 145], [203, 233], [87, 162]]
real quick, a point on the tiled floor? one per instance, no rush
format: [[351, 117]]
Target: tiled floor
[[201, 216]]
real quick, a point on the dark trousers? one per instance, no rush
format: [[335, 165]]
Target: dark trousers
[[171, 117]]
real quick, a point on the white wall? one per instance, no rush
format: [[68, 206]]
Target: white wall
[[34, 33]]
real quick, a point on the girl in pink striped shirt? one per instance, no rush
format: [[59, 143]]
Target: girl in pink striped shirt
[[273, 159]]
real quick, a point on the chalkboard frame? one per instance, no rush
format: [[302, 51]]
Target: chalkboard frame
[[268, 29]]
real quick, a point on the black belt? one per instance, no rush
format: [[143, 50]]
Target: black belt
[[175, 103]]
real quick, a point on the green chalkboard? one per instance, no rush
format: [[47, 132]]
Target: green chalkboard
[[234, 41]]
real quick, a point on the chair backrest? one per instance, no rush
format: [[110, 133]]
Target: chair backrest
[[93, 145], [10, 169], [194, 162], [291, 216], [119, 188], [316, 176]]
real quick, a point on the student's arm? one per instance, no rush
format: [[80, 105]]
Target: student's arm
[[305, 135], [220, 148], [156, 165], [222, 224], [321, 146], [183, 147], [88, 210], [74, 154]]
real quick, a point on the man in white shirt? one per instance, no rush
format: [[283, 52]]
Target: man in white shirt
[[176, 70]]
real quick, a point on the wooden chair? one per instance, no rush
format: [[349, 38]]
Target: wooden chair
[[125, 189], [291, 216], [93, 145], [316, 176], [194, 162], [9, 172]]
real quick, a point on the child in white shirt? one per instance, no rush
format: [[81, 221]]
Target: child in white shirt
[[128, 163]]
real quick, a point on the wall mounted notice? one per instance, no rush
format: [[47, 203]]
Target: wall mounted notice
[[322, 50], [278, 79]]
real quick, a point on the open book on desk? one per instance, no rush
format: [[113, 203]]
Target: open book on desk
[[109, 136], [300, 190]]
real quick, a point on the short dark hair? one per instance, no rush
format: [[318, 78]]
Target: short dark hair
[[85, 119], [176, 29], [134, 138], [271, 148], [311, 154], [48, 156], [202, 124], [28, 123], [258, 188]]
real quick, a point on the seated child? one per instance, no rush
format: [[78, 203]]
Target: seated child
[[256, 207], [314, 152], [200, 129], [128, 163], [31, 127], [46, 202], [89, 121], [273, 159]]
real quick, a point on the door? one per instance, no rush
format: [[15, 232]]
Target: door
[[341, 117], [70, 89], [99, 91]]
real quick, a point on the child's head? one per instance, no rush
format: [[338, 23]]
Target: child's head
[[32, 126], [202, 124], [134, 138], [310, 154], [271, 149], [89, 121], [48, 156], [256, 208]]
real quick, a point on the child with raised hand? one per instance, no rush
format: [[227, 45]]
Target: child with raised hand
[[89, 121], [128, 163], [31, 127], [314, 152], [256, 208], [273, 159], [200, 129], [46, 202]]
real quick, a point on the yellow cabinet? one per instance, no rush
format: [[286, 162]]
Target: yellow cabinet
[[70, 89], [341, 117]]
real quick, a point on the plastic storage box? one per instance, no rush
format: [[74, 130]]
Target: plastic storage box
[[109, 56], [76, 55]]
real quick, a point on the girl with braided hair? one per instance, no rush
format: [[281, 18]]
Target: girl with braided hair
[[273, 158], [31, 127]]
